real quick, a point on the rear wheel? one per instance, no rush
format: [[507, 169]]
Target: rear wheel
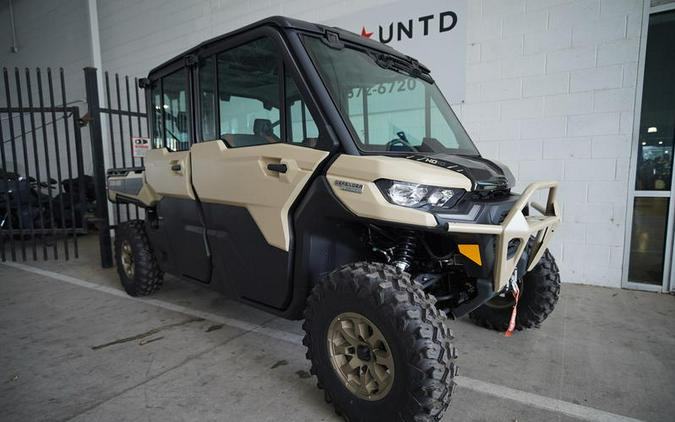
[[540, 289], [136, 265], [378, 345]]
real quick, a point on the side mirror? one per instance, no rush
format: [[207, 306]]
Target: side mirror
[[143, 83]]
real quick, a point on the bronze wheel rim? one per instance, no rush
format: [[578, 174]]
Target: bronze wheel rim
[[127, 259], [360, 356]]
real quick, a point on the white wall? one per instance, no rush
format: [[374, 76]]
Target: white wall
[[50, 34], [550, 90]]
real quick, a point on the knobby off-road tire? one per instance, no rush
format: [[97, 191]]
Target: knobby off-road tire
[[136, 265], [540, 289], [419, 343]]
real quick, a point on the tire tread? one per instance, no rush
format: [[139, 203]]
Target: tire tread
[[431, 353], [148, 277]]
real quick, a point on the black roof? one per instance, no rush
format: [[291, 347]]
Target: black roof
[[289, 23]]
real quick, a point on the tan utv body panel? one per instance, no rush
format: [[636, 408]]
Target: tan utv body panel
[[165, 181], [370, 203], [146, 196], [239, 177]]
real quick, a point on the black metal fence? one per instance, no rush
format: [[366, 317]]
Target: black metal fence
[[44, 196], [52, 172]]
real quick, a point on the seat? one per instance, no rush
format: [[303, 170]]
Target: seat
[[264, 128], [262, 134]]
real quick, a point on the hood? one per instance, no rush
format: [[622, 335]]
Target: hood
[[485, 175]]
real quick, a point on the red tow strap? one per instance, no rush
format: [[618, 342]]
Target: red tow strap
[[512, 322]]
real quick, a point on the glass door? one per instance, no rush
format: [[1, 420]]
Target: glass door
[[650, 209]]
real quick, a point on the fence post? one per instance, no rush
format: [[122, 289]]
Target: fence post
[[102, 219]]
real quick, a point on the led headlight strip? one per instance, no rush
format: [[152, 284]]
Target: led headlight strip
[[416, 195]]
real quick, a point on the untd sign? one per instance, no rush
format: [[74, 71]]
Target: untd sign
[[432, 31], [397, 31]]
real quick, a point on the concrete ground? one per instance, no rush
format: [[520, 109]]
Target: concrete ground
[[75, 347]]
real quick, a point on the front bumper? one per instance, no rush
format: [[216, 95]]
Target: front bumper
[[517, 226]]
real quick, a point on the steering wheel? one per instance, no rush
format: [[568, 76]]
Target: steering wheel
[[399, 141]]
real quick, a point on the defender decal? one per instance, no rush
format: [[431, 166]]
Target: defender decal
[[349, 186]]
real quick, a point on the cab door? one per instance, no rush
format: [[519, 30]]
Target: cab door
[[248, 178], [179, 229]]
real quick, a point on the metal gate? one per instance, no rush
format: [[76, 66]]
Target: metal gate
[[44, 195], [52, 172]]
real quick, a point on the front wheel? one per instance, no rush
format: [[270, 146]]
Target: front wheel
[[540, 289], [379, 346]]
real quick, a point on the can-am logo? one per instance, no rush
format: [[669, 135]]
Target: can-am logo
[[424, 25]]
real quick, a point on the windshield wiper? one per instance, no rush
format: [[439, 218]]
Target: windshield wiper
[[413, 68]]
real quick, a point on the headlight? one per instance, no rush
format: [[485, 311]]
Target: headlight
[[416, 195], [407, 194]]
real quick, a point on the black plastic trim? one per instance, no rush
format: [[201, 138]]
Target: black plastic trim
[[484, 293]]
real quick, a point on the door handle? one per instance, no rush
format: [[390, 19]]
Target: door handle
[[280, 168], [175, 167]]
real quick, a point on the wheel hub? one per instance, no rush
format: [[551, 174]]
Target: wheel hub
[[360, 356], [127, 259], [363, 353]]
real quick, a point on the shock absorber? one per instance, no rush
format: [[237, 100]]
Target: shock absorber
[[405, 250]]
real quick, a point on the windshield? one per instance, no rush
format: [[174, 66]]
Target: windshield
[[389, 108]]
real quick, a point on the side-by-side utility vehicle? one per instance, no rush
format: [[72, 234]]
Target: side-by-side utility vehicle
[[317, 174]]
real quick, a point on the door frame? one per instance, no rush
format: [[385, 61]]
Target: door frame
[[668, 281]]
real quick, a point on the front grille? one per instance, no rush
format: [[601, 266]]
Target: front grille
[[490, 194]]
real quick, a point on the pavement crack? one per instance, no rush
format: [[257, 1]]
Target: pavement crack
[[146, 334], [279, 363], [214, 327], [150, 340]]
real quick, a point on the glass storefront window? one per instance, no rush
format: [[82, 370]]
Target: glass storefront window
[[648, 238], [657, 118], [654, 161]]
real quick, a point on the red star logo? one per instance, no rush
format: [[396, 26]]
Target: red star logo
[[365, 33]]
